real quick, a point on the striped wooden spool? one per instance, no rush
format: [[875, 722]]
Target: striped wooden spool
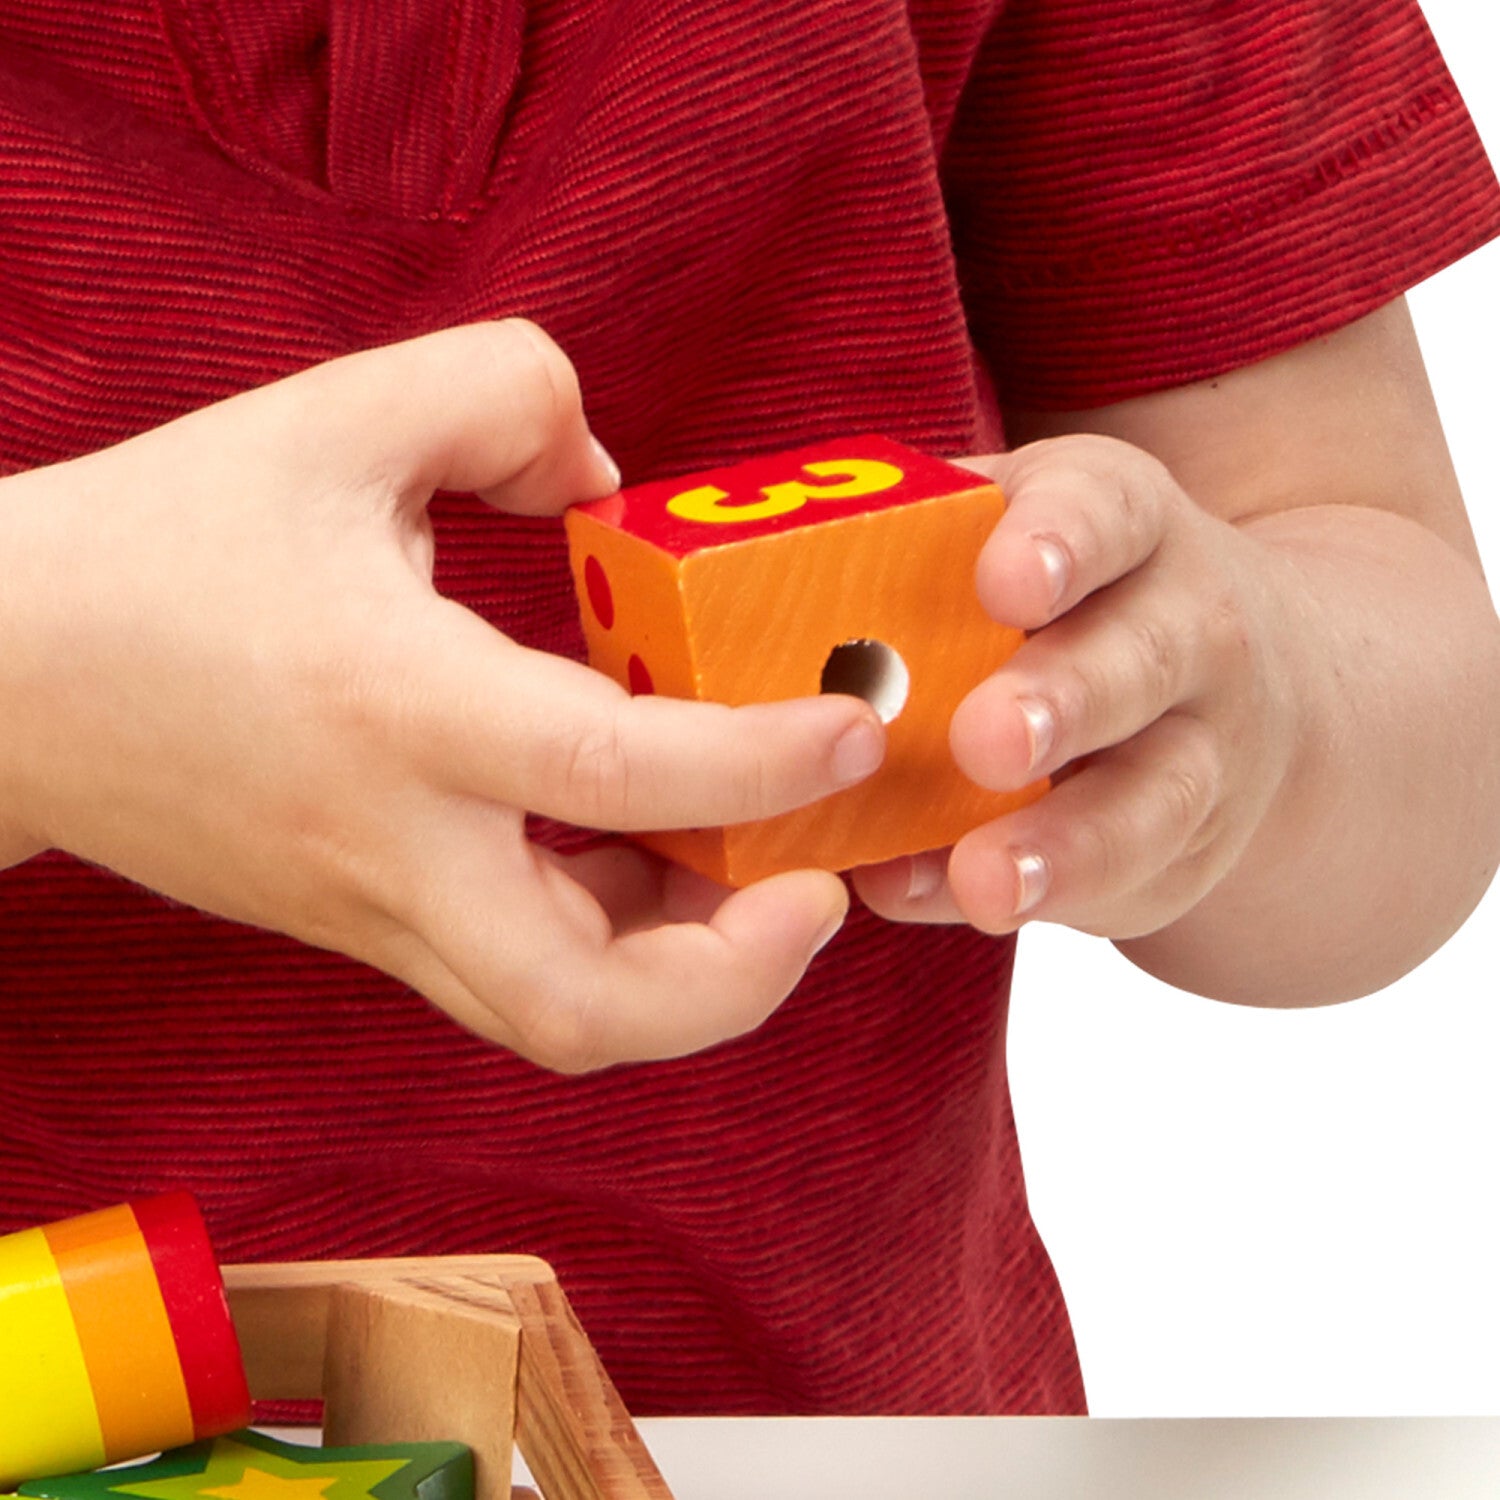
[[115, 1340]]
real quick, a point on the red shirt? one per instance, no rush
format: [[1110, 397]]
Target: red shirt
[[751, 227]]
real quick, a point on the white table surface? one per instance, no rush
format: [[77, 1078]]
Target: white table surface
[[1063, 1458], [1072, 1458]]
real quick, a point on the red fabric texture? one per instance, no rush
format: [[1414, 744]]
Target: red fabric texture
[[736, 220], [1237, 180]]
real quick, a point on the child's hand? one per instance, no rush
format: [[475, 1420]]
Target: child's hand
[[1262, 675], [1154, 692], [226, 675]]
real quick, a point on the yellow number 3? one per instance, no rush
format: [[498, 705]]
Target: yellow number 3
[[852, 476]]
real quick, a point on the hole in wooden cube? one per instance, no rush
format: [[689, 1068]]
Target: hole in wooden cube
[[870, 670]]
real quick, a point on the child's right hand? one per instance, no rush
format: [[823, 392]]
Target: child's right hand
[[226, 675]]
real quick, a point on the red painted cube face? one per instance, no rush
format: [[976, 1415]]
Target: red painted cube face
[[843, 568]]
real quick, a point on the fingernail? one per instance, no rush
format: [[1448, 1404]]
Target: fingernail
[[828, 932], [1033, 875], [924, 876], [858, 753], [1055, 564], [608, 464], [1041, 729]]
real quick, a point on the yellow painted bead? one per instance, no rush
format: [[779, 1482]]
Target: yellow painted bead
[[48, 1420]]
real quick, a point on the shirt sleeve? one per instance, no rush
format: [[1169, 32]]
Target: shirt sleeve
[[1143, 196]]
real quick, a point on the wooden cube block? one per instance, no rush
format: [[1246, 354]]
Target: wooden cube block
[[845, 567], [477, 1347], [405, 1363]]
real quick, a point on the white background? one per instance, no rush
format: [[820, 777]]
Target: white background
[[1259, 1213]]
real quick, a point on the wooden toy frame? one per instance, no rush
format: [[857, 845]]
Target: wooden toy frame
[[480, 1349]]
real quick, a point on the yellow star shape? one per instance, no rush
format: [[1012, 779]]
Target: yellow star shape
[[256, 1484], [236, 1471]]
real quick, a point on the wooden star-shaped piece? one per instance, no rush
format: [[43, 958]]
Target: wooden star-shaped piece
[[251, 1466]]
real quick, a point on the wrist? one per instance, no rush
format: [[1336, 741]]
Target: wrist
[[1287, 737], [1371, 851], [30, 581]]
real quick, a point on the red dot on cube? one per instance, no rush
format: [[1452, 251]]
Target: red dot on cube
[[601, 598], [639, 677]]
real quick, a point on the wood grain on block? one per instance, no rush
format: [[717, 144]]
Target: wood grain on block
[[571, 1425], [422, 1344], [407, 1362], [280, 1309]]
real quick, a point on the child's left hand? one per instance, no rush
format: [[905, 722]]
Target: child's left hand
[[1271, 645], [1156, 691]]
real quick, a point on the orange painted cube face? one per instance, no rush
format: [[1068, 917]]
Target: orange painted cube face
[[846, 567]]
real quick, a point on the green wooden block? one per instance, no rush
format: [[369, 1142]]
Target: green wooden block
[[251, 1466]]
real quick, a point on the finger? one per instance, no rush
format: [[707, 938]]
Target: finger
[[547, 977], [1081, 512], [626, 881], [637, 889], [1096, 677], [911, 889], [676, 988], [1096, 852], [17, 846], [490, 407], [552, 736]]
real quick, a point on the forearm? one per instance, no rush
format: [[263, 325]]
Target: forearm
[[1386, 830]]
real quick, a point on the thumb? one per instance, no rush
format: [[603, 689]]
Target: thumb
[[489, 407]]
